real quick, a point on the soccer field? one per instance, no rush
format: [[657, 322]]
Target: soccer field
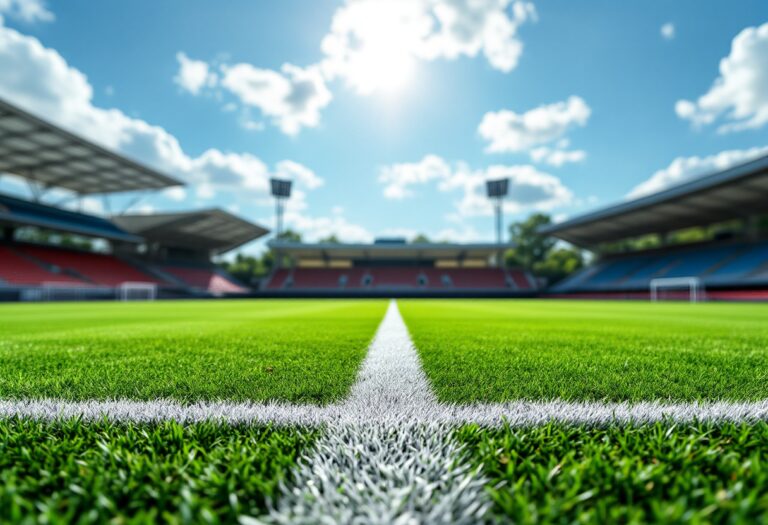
[[418, 411]]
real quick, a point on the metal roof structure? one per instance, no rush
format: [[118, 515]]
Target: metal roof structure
[[737, 192], [17, 212], [214, 229], [51, 157], [330, 251]]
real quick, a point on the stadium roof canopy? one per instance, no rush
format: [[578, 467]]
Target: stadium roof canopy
[[51, 157], [215, 230], [329, 251], [16, 212], [737, 192]]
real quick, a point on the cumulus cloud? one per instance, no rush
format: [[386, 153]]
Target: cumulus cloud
[[510, 132], [373, 45], [557, 157], [399, 178], [40, 80], [371, 41], [26, 10], [528, 187], [738, 98], [668, 31], [292, 97], [683, 169], [194, 75]]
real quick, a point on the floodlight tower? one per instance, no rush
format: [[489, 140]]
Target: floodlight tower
[[281, 191], [497, 190]]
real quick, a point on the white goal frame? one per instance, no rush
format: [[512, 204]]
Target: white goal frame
[[693, 284], [126, 290]]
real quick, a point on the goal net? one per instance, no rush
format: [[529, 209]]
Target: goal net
[[137, 291], [677, 288]]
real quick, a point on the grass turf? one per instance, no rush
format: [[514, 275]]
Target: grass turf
[[68, 472], [299, 351], [650, 474], [487, 350]]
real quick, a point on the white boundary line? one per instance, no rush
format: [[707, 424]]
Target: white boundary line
[[516, 414], [387, 453]]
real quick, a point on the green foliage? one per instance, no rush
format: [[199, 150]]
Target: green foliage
[[493, 350], [300, 351], [331, 239], [648, 474], [560, 263], [69, 472], [290, 235], [420, 239], [247, 268], [530, 246], [538, 253]]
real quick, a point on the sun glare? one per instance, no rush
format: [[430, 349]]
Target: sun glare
[[382, 69]]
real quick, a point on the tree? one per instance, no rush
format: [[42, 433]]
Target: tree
[[290, 235], [420, 239], [531, 247], [331, 239], [249, 268], [539, 254], [560, 263]]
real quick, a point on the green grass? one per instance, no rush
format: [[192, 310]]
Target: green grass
[[68, 472], [299, 351], [505, 350], [649, 474]]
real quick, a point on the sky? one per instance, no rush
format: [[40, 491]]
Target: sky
[[390, 115]]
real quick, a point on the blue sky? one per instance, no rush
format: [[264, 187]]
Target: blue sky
[[389, 115]]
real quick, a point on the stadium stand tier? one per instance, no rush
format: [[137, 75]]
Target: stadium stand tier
[[170, 252], [394, 267], [732, 267]]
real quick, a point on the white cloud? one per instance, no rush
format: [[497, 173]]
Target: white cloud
[[528, 188], [288, 169], [40, 80], [683, 169], [373, 44], [668, 31], [194, 75], [26, 10], [177, 193], [507, 131], [557, 157], [292, 98], [739, 96], [398, 178]]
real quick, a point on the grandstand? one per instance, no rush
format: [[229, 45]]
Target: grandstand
[[393, 266], [731, 260], [171, 252]]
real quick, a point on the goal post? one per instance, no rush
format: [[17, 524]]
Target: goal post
[[692, 285], [137, 291]]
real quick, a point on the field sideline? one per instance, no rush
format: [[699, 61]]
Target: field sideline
[[532, 410]]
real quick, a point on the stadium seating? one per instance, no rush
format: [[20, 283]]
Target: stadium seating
[[732, 264], [398, 278], [99, 269], [42, 215], [19, 270], [208, 279]]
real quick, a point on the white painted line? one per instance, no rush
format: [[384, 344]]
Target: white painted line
[[387, 455], [516, 414], [379, 461], [391, 386]]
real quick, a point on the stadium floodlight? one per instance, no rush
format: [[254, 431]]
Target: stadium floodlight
[[497, 190], [281, 191]]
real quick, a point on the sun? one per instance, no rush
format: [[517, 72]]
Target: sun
[[381, 69]]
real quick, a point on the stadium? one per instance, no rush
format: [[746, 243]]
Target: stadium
[[192, 364]]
